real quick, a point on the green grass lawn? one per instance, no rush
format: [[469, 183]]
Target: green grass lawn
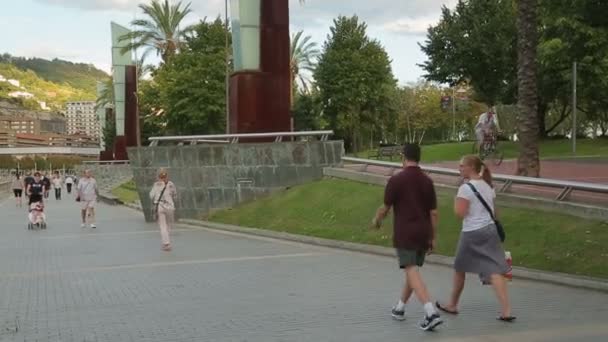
[[126, 192], [548, 149], [342, 210]]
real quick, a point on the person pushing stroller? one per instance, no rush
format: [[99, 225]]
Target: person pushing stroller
[[36, 190]]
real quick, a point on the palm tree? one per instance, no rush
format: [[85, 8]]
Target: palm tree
[[106, 98], [527, 40], [161, 31], [302, 55]]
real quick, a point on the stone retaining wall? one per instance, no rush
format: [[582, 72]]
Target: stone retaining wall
[[212, 176]]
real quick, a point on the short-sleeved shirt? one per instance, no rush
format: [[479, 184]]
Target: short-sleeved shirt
[[37, 188], [57, 182], [87, 188], [411, 193], [69, 180], [478, 216]]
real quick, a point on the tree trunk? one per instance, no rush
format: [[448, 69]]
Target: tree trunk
[[542, 119], [528, 163]]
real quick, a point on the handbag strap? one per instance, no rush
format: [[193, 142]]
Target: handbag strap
[[483, 202], [160, 197]]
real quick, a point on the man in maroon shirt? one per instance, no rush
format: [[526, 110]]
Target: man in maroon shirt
[[411, 194]]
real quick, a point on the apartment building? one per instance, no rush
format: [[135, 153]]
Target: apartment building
[[82, 119], [20, 125]]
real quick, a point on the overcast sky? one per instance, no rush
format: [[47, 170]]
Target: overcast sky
[[79, 30]]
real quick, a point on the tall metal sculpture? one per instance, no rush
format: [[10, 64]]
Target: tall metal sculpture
[[260, 85], [124, 74]]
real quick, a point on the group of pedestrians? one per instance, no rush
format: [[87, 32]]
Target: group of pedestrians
[[20, 185], [411, 196], [163, 195], [37, 186]]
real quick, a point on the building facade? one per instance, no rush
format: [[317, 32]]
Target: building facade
[[82, 119]]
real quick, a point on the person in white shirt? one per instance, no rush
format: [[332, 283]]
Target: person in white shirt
[[486, 125], [479, 247], [69, 181], [57, 185], [163, 195], [87, 195]]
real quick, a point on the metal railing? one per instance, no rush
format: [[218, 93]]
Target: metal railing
[[566, 186], [104, 162], [234, 138]]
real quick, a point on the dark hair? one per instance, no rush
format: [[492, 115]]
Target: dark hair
[[37, 173], [478, 165], [18, 175], [411, 152]]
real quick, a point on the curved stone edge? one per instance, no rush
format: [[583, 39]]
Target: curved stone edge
[[563, 279]]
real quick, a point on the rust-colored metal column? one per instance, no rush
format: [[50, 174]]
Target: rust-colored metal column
[[131, 112], [259, 99]]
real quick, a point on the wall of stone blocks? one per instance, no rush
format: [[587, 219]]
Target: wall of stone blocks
[[212, 176]]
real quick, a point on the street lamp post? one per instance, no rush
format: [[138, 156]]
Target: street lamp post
[[574, 107], [453, 113], [227, 85]]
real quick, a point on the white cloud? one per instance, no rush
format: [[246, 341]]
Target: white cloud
[[413, 26], [121, 5], [209, 7]]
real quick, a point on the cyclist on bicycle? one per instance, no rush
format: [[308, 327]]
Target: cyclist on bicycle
[[486, 126]]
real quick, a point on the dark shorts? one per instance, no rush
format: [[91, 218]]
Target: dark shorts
[[409, 257], [18, 192], [35, 198]]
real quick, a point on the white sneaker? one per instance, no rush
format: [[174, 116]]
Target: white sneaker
[[83, 225], [93, 226]]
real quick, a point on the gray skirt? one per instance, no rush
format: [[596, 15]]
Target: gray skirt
[[480, 251]]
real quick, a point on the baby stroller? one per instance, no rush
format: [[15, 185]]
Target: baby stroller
[[36, 216]]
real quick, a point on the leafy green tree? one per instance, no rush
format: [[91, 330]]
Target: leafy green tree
[[161, 31], [420, 113], [151, 112], [26, 163], [569, 30], [475, 42], [355, 80], [307, 112], [192, 84], [109, 132]]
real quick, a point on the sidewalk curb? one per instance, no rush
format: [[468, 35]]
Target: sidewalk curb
[[589, 283]]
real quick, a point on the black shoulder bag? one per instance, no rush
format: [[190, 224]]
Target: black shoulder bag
[[155, 213], [499, 227]]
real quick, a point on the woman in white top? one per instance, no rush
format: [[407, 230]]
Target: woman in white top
[[18, 186], [69, 181], [163, 195], [479, 248], [57, 185]]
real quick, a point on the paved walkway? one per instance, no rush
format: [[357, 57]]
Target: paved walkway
[[115, 284]]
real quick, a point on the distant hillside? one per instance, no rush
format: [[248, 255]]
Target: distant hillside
[[77, 75], [55, 95]]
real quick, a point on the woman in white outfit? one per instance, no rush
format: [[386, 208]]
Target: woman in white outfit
[[163, 196], [479, 249]]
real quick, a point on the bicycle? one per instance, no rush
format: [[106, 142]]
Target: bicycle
[[489, 149]]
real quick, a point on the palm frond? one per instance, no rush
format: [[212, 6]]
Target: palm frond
[[161, 28]]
